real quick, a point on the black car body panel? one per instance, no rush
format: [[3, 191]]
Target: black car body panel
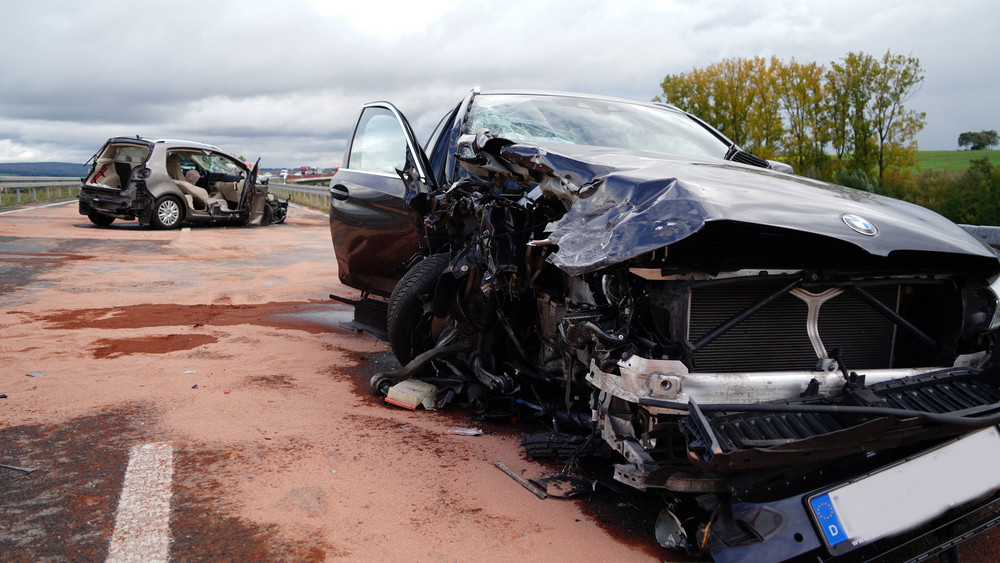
[[625, 205], [744, 341]]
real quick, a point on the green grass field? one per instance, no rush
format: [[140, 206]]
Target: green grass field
[[954, 160]]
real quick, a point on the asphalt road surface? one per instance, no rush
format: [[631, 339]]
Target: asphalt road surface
[[194, 395]]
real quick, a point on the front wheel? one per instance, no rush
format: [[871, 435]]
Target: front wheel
[[100, 219], [408, 319], [167, 213]]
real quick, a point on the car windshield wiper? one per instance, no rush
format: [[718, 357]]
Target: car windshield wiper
[[736, 154]]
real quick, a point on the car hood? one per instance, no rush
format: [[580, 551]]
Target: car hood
[[621, 205]]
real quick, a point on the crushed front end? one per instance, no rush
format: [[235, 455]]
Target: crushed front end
[[749, 345], [781, 386]]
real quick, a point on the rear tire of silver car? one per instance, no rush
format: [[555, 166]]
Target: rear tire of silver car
[[408, 320], [168, 213], [100, 219]]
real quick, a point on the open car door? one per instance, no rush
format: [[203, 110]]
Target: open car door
[[254, 197], [373, 229]]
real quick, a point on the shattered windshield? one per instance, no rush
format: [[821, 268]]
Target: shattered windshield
[[591, 122]]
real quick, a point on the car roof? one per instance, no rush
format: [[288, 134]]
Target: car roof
[[169, 143]]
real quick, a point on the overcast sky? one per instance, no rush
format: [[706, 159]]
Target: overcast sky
[[284, 80]]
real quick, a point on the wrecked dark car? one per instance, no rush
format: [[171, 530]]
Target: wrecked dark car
[[167, 183], [798, 368]]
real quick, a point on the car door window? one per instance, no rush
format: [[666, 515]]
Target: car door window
[[379, 143]]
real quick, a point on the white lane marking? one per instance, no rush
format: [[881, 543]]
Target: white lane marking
[[36, 207], [142, 523]]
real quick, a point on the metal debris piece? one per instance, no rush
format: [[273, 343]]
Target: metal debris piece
[[195, 386], [22, 469], [190, 371], [520, 481], [464, 431], [669, 532], [564, 486], [36, 374]]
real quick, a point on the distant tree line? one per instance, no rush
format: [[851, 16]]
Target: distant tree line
[[847, 120], [67, 169], [979, 140]]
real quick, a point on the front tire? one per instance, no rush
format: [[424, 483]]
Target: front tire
[[100, 219], [409, 319], [168, 213]]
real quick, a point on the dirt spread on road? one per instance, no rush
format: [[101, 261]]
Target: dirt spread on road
[[160, 344], [222, 343], [276, 315]]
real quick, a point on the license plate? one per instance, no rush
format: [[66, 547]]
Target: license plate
[[910, 493]]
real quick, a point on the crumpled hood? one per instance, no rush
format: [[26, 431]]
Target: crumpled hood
[[622, 205]]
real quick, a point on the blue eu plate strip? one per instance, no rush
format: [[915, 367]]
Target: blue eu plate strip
[[829, 522]]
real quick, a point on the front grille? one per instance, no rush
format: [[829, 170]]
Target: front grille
[[775, 338], [938, 393], [772, 428], [948, 391]]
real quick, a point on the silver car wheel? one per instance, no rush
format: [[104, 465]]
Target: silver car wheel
[[168, 212]]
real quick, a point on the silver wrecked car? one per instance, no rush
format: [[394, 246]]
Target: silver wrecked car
[[166, 183]]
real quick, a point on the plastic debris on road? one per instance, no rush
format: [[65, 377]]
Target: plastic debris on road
[[464, 431], [410, 393]]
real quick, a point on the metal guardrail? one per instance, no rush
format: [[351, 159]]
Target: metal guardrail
[[36, 181], [312, 196], [17, 190]]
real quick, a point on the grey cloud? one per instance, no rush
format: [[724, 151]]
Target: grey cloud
[[285, 81]]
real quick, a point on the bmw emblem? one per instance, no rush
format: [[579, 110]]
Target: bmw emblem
[[859, 224]]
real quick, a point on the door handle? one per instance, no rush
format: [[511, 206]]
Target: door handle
[[339, 192]]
